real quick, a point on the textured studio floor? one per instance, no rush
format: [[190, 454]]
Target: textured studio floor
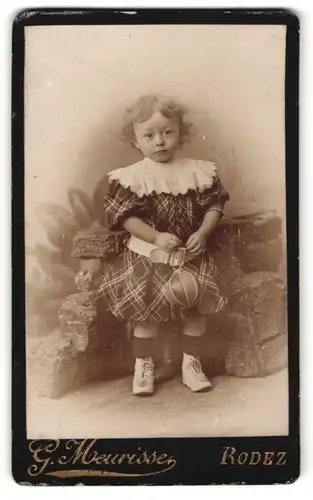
[[235, 407]]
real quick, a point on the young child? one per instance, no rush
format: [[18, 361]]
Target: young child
[[168, 203]]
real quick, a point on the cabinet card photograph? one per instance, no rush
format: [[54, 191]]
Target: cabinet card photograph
[[155, 264]]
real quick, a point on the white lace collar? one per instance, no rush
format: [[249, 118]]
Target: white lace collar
[[177, 177]]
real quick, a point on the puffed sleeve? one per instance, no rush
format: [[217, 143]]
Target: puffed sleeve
[[121, 203], [213, 198]]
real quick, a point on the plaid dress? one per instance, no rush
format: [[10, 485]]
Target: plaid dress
[[132, 285]]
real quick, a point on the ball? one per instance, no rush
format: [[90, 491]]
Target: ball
[[182, 289]]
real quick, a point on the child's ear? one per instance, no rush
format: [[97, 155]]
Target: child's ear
[[135, 144]]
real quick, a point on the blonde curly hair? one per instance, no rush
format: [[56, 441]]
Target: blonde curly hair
[[144, 108]]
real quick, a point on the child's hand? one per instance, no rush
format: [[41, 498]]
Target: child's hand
[[196, 243], [167, 241]]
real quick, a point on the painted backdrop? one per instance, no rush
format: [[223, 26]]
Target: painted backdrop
[[78, 82]]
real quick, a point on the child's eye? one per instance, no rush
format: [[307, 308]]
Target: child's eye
[[167, 132], [149, 135]]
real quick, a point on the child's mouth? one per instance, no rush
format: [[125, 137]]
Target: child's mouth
[[162, 151]]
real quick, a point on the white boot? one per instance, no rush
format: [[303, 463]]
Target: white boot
[[193, 376], [143, 381]]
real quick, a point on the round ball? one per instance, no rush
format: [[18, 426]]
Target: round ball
[[182, 289]]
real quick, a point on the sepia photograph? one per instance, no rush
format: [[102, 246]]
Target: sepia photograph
[[155, 231]]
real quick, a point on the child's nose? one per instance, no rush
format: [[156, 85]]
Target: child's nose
[[159, 140]]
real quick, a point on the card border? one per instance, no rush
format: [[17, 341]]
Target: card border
[[205, 470]]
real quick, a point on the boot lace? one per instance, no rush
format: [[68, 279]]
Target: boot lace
[[146, 371], [197, 369]]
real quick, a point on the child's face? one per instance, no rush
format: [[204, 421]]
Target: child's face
[[158, 137]]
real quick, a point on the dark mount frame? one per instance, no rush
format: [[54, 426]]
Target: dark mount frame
[[197, 459]]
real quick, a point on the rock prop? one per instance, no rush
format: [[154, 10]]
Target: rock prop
[[247, 339], [258, 345], [55, 367]]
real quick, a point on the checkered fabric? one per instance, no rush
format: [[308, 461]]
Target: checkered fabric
[[132, 285], [180, 215], [133, 289]]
